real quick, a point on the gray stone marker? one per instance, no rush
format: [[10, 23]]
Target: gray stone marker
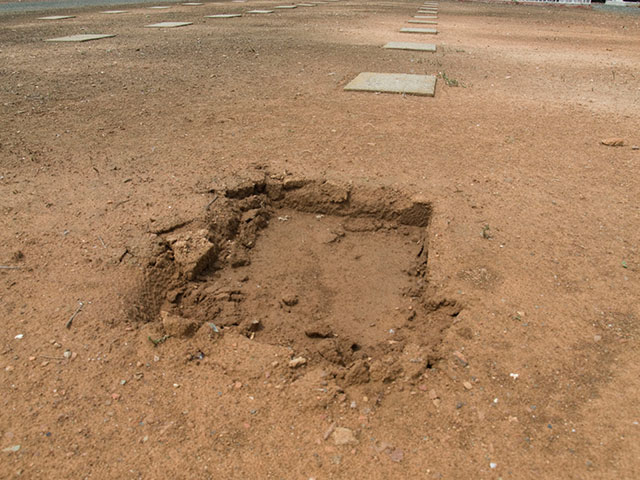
[[224, 15], [57, 17], [169, 24], [431, 31], [114, 12], [258, 12], [423, 22], [83, 37], [434, 17], [419, 47], [394, 83], [286, 6]]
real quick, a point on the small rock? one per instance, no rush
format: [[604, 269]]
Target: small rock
[[436, 402], [597, 338], [344, 436], [329, 431], [635, 147], [67, 354], [290, 299], [613, 142], [11, 449], [20, 336], [115, 396], [461, 358], [297, 362], [467, 385], [397, 455], [432, 394]]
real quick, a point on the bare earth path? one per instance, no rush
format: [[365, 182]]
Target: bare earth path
[[519, 355]]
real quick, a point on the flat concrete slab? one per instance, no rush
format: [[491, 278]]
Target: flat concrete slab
[[286, 6], [224, 15], [423, 22], [394, 83], [429, 31], [83, 37], [418, 47], [114, 12], [259, 12], [426, 16], [169, 24], [57, 17]]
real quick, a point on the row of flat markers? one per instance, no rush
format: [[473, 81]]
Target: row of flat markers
[[403, 82], [85, 37], [367, 81]]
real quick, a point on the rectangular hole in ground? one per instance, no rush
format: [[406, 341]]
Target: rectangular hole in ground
[[319, 276]]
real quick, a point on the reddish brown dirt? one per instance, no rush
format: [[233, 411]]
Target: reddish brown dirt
[[526, 354]]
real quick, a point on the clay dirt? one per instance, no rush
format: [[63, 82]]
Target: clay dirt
[[215, 262]]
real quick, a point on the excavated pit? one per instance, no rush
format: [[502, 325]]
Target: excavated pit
[[336, 273]]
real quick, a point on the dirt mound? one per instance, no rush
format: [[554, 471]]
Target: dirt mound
[[336, 273]]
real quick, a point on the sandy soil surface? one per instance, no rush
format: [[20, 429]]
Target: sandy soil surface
[[280, 279]]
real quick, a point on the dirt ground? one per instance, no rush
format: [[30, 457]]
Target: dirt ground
[[280, 279]]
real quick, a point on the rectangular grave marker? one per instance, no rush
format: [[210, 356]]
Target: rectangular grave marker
[[258, 12], [418, 47], [423, 22], [429, 31], [224, 15], [169, 24], [286, 6], [84, 37], [426, 16], [394, 83], [114, 12]]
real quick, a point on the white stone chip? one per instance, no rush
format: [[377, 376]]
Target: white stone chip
[[169, 24], [83, 37], [394, 83], [420, 47], [57, 17]]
